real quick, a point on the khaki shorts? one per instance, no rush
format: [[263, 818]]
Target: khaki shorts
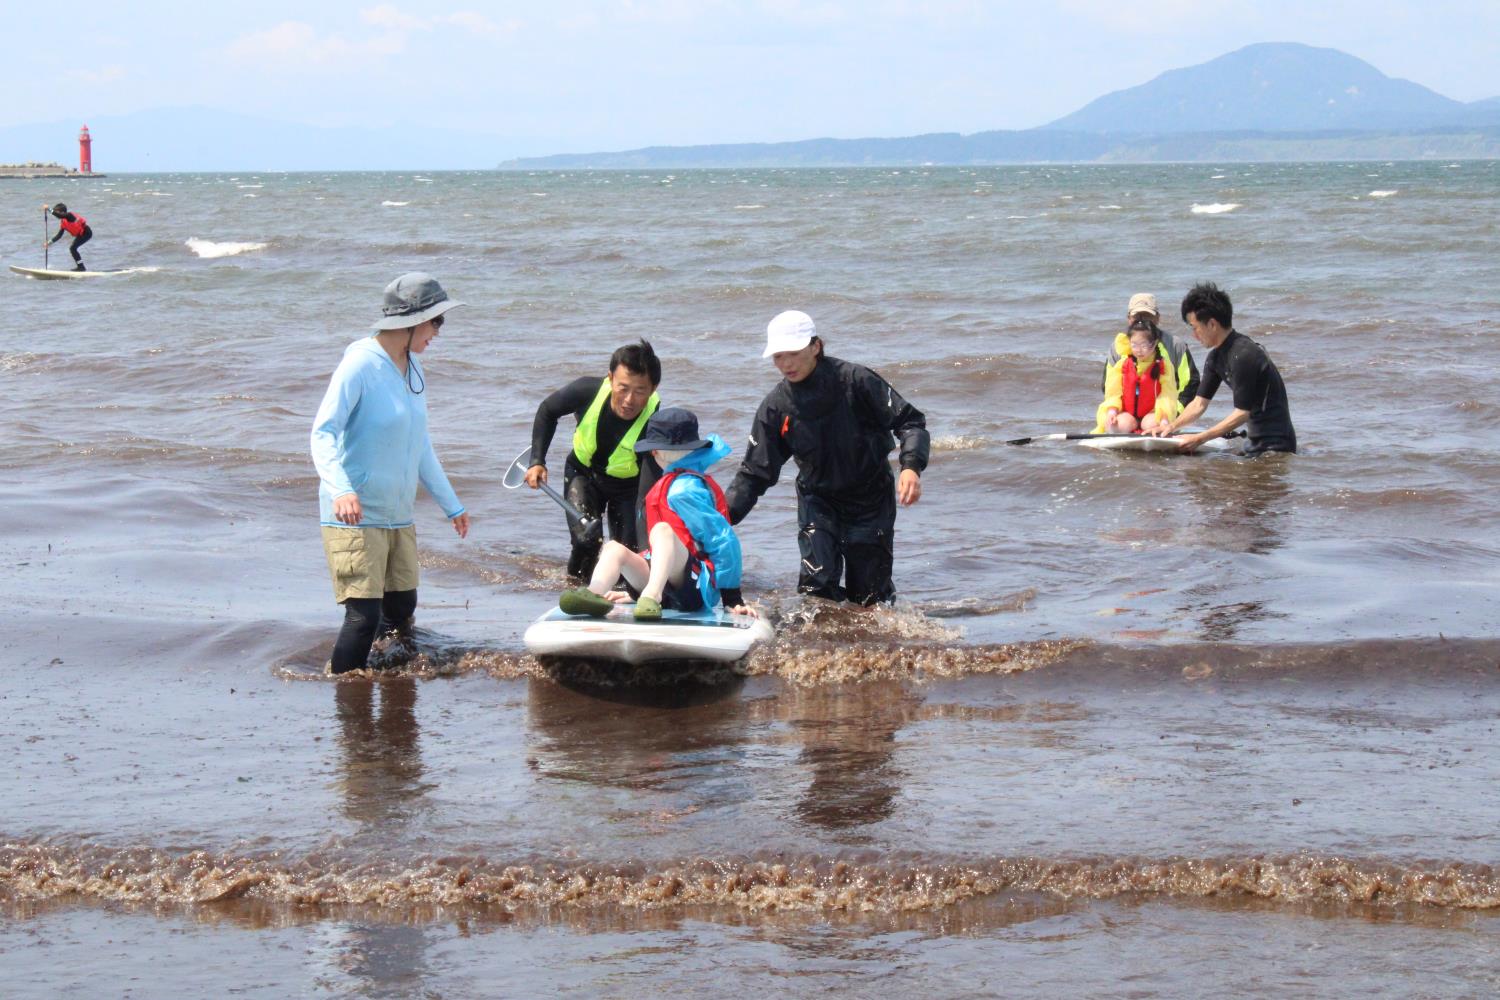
[[367, 562]]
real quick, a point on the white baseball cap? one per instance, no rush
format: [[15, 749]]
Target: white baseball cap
[[789, 331]]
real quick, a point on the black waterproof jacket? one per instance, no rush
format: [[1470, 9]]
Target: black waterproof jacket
[[840, 424]]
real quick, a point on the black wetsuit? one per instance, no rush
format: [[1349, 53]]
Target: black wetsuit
[[79, 240], [590, 488], [1258, 389], [838, 424]]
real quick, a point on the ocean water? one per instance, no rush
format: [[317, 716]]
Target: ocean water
[[1137, 725]]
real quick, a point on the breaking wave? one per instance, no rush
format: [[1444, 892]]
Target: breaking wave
[[208, 249], [1216, 208]]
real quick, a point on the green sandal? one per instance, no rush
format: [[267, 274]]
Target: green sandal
[[583, 601], [647, 609]]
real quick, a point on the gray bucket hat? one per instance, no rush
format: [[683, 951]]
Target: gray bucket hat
[[412, 300]]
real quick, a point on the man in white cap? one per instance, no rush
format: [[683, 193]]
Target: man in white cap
[[839, 422], [1184, 370]]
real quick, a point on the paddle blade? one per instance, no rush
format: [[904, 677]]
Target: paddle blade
[[516, 474]]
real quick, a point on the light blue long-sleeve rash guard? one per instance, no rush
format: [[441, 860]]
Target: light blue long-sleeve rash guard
[[370, 439]]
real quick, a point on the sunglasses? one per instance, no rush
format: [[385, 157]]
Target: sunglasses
[[437, 322]]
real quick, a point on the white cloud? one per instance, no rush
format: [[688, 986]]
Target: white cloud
[[1143, 17], [472, 20], [387, 16], [297, 45], [104, 74]]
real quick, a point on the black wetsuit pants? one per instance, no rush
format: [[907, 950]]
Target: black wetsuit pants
[[598, 496], [846, 537], [363, 618], [79, 241]]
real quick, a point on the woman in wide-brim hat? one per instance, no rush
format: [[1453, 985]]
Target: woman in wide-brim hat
[[371, 446]]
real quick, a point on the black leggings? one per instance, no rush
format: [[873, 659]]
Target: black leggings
[[79, 241], [363, 618]]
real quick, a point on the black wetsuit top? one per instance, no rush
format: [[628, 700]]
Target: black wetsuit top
[[576, 397], [1258, 389], [840, 424]]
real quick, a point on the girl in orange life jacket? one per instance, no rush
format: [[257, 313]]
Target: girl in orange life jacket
[[694, 560], [1140, 390], [72, 225]]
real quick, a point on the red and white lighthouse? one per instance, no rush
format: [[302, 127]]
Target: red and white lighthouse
[[85, 152]]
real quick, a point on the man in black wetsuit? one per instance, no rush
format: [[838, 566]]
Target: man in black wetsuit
[[840, 422], [1260, 401], [601, 476]]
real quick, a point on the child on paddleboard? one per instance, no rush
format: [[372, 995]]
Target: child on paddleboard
[[694, 556], [76, 226], [1140, 389]]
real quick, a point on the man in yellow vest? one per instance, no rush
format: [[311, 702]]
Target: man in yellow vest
[[601, 476]]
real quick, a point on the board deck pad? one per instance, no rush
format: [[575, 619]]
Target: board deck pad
[[713, 635]]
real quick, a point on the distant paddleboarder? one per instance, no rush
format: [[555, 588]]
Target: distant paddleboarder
[[74, 225]]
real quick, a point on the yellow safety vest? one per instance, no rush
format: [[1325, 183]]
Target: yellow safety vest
[[622, 462]]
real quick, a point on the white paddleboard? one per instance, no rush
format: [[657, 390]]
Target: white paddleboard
[[700, 635], [43, 274], [1145, 442]]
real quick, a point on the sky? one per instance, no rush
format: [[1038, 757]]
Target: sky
[[616, 74]]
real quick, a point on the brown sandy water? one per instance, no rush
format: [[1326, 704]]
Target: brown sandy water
[[1138, 727]]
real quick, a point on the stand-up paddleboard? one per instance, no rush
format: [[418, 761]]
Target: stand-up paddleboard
[[699, 635], [1145, 442], [46, 274]]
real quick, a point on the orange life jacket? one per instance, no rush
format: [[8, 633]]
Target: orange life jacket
[[1138, 391], [76, 227]]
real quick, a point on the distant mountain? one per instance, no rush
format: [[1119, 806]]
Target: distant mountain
[[194, 139], [1271, 87], [1272, 101]]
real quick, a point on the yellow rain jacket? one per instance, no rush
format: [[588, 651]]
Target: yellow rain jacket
[[1167, 407]]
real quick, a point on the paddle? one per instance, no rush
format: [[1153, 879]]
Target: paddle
[[1067, 437], [516, 476], [46, 246], [1089, 437]]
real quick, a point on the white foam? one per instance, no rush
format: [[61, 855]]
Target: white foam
[[207, 249], [395, 204], [749, 206], [1215, 208], [1381, 194], [1217, 177], [249, 185]]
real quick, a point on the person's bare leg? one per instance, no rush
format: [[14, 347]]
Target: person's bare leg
[[616, 560], [668, 561]]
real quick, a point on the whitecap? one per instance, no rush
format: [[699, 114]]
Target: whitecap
[[1110, 208], [539, 194], [1215, 208], [249, 185], [250, 194], [207, 249], [1217, 177], [395, 204], [1381, 194], [749, 206]]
